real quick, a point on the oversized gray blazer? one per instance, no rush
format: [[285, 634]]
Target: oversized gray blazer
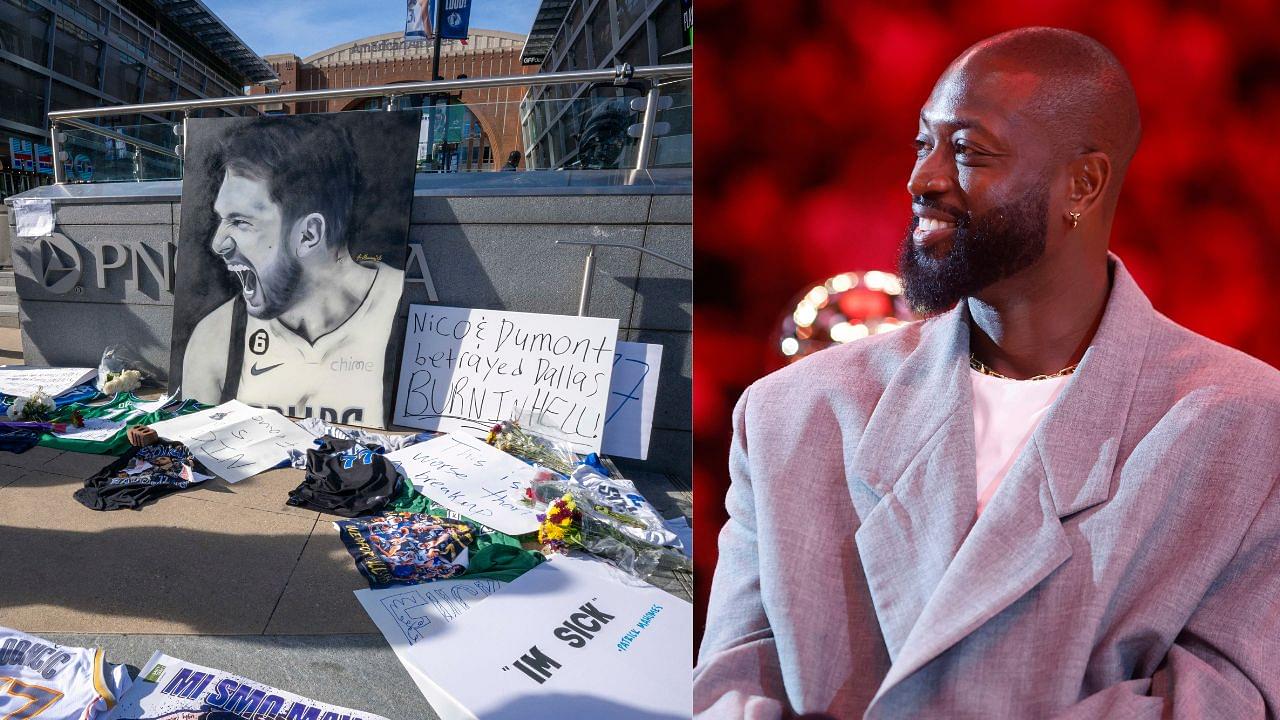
[[1128, 566]]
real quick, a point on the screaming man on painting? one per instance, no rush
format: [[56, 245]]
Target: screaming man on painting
[[308, 329]]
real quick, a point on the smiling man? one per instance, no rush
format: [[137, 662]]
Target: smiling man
[[309, 326], [1048, 500]]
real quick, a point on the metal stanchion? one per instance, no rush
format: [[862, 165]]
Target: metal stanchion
[[55, 147]]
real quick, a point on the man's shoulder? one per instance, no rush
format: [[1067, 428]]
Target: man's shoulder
[[214, 327], [1204, 371]]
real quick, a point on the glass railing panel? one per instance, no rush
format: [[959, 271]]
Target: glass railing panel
[[574, 127], [123, 153], [673, 148]]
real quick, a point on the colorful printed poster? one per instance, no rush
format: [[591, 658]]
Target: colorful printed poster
[[473, 479], [464, 370], [236, 441], [571, 638], [175, 689], [400, 548]]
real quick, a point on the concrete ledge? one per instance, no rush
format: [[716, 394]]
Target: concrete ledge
[[134, 213], [664, 292], [671, 209], [513, 268], [615, 209]]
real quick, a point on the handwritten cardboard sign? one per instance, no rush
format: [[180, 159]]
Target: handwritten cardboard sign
[[464, 370], [570, 638], [633, 391], [23, 381], [472, 479], [411, 615], [234, 440]]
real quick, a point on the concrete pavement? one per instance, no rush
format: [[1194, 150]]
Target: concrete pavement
[[223, 575]]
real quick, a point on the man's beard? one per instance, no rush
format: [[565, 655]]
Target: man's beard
[[984, 249], [278, 289]]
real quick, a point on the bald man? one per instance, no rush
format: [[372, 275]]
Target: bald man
[[1046, 501]]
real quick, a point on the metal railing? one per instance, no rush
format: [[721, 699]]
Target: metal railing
[[618, 75]]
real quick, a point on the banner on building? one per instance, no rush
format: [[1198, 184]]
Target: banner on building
[[417, 23], [455, 20]]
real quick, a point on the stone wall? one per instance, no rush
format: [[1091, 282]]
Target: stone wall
[[482, 250]]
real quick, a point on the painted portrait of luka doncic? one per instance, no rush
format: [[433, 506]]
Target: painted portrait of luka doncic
[[292, 248]]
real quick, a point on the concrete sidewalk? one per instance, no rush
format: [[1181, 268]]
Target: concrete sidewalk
[[222, 575]]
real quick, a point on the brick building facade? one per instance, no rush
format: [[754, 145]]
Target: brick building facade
[[388, 59]]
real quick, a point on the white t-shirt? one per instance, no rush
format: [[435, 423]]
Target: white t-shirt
[[42, 679], [1005, 414], [339, 378]]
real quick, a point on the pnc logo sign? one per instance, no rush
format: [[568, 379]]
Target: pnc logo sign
[[57, 263]]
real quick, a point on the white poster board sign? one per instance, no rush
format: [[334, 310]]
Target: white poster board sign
[[234, 440], [33, 217], [410, 615], [472, 479], [571, 638], [171, 688], [464, 370], [633, 391], [23, 381]]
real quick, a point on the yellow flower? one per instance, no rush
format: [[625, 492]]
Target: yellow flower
[[550, 532]]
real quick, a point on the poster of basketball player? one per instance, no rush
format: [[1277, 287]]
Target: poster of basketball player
[[291, 249]]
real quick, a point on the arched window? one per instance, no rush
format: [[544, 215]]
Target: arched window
[[451, 140]]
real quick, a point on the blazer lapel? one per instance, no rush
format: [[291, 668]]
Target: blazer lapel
[[1067, 467], [912, 477]]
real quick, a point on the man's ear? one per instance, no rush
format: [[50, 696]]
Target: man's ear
[[310, 234], [1089, 176]]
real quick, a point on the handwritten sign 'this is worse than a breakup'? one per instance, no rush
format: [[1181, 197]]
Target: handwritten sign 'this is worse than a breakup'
[[464, 370], [477, 481]]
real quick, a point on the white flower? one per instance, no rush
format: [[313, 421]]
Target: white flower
[[36, 407], [122, 382]]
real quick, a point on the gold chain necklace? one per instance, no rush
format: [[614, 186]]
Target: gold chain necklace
[[978, 365]]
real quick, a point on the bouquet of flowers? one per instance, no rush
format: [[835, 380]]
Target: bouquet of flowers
[[512, 439], [576, 517], [122, 381], [37, 408], [114, 371]]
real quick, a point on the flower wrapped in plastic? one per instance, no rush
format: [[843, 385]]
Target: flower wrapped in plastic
[[509, 437], [116, 373], [123, 381], [581, 516]]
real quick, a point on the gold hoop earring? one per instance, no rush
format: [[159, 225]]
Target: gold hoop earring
[[1075, 219]]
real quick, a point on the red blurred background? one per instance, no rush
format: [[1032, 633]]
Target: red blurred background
[[806, 114]]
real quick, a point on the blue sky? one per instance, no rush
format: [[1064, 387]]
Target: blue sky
[[304, 27]]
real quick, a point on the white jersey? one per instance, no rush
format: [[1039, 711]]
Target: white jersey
[[338, 378], [41, 680]]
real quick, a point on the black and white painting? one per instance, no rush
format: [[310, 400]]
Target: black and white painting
[[291, 257]]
